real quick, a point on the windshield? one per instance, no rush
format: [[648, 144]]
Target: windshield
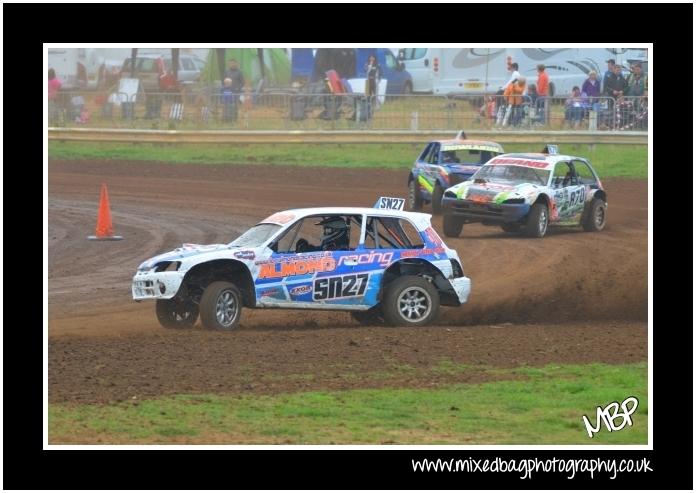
[[454, 155], [256, 236], [512, 174]]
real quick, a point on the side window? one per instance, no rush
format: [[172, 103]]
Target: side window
[[286, 243], [390, 61], [389, 233], [585, 176], [419, 52], [188, 64], [426, 152], [321, 233], [433, 157], [200, 64], [561, 175], [411, 233]]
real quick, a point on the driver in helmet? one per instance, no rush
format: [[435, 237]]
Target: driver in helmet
[[336, 236]]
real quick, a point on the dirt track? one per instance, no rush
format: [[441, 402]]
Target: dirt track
[[571, 297]]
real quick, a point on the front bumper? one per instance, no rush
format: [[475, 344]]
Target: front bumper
[[149, 285], [484, 211], [462, 287]]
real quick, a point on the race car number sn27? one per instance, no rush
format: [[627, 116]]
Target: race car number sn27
[[329, 288]]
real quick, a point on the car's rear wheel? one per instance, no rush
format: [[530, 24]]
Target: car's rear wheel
[[221, 306], [437, 199], [452, 225], [373, 316], [410, 301], [537, 221], [596, 217], [176, 314], [415, 200]]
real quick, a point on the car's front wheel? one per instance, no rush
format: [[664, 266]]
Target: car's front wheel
[[452, 225], [537, 221], [176, 314], [410, 301], [221, 306], [415, 200], [596, 217]]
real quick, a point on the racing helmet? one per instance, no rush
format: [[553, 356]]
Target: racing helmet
[[336, 234]]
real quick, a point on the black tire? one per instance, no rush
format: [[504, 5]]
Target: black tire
[[221, 306], [176, 314], [373, 316], [415, 200], [437, 199], [537, 221], [596, 217], [511, 227], [410, 301], [452, 225]]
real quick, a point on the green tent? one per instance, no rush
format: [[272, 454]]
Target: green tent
[[275, 69]]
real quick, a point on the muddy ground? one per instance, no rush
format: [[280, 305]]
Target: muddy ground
[[572, 297]]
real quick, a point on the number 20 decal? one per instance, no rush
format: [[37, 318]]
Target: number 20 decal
[[329, 288]]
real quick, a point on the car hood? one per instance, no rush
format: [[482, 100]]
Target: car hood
[[188, 251], [494, 192]]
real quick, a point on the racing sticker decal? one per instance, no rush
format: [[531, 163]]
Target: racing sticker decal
[[297, 266], [245, 255], [300, 290], [331, 288], [279, 218]]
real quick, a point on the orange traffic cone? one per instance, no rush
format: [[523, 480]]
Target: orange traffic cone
[[105, 230]]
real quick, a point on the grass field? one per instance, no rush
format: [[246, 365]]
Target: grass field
[[525, 406], [609, 161]]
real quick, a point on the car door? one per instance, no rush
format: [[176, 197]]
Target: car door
[[310, 279], [568, 193]]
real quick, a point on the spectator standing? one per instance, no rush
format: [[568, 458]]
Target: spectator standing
[[611, 63], [515, 75], [236, 76], [591, 88], [515, 97], [228, 98], [616, 84], [637, 83], [54, 85], [373, 73], [542, 88]]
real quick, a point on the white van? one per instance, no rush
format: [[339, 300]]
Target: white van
[[484, 70]]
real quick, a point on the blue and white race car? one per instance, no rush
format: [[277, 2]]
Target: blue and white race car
[[378, 263], [444, 163]]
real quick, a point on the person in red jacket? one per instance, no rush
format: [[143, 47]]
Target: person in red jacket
[[542, 93]]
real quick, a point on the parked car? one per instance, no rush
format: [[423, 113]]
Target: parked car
[[377, 263], [152, 70], [443, 163], [527, 193]]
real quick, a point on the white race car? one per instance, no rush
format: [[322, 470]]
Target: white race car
[[378, 263], [527, 193]]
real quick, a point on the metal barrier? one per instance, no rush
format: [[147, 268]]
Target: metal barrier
[[212, 109]]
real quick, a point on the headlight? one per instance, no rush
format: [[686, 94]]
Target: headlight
[[513, 201], [167, 266]]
